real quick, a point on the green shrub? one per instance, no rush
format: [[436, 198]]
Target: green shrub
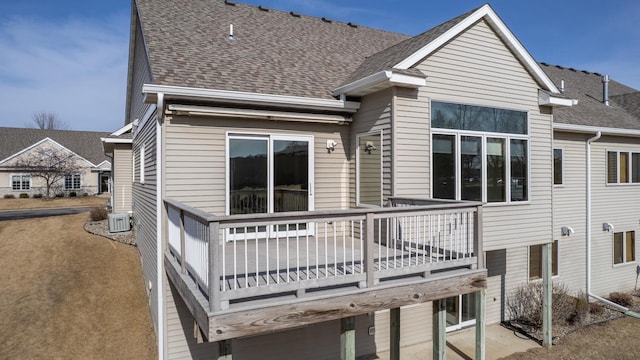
[[98, 213], [60, 195], [37, 196], [9, 196], [73, 194], [24, 196]]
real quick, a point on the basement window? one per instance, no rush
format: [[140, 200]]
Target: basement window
[[535, 261], [624, 247]]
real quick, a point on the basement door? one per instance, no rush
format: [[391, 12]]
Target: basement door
[[461, 311], [270, 174]]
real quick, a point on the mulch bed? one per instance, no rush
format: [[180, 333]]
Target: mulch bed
[[101, 228]]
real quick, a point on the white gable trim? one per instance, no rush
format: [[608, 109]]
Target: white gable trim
[[503, 31], [585, 129], [378, 81], [122, 130], [550, 100], [47, 139]]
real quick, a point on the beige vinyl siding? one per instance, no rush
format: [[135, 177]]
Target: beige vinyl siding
[[141, 74], [476, 68], [144, 210], [195, 170], [122, 175], [374, 116], [618, 205]]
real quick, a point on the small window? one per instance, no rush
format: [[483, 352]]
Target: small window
[[535, 261], [72, 182], [21, 182], [369, 165], [557, 166], [142, 165], [624, 247]]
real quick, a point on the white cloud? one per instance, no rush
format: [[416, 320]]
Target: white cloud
[[74, 68]]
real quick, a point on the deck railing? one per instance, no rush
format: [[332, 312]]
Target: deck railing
[[240, 257]]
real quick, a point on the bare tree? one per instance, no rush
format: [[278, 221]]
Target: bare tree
[[50, 165], [49, 121]]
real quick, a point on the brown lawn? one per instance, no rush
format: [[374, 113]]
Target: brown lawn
[[19, 204], [66, 294]]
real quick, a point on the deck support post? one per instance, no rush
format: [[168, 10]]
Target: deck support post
[[348, 338], [224, 350], [394, 333], [547, 290], [439, 329], [480, 324], [369, 242], [214, 267]]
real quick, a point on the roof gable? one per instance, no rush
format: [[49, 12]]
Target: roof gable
[[46, 142]]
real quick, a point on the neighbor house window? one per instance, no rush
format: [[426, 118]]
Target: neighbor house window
[[535, 261], [369, 167], [72, 182], [623, 167], [20, 182], [479, 153], [624, 247], [557, 166]]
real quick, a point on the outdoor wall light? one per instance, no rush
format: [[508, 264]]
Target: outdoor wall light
[[607, 227], [331, 145], [369, 147], [566, 230]]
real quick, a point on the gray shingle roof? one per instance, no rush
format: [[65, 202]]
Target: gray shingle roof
[[84, 143], [274, 52], [586, 87]]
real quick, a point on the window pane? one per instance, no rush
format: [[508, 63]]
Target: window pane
[[496, 170], [617, 248], [444, 167], [290, 176], [554, 258], [630, 246], [612, 167], [15, 182], [535, 262], [557, 166], [247, 176], [471, 167], [624, 167], [477, 118], [468, 308], [370, 169], [519, 173], [635, 167]]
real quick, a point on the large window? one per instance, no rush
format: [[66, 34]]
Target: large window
[[624, 247], [20, 182], [72, 182], [479, 153], [557, 167], [535, 261], [369, 167], [623, 167]]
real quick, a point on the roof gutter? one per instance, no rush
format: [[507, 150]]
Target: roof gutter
[[378, 81], [151, 92], [584, 129]]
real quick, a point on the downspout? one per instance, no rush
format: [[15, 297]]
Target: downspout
[[621, 308], [159, 239]]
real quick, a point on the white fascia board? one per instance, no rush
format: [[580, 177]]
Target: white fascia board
[[122, 130], [371, 83], [116, 141], [585, 129], [239, 97], [549, 100], [195, 110], [47, 139], [503, 31]]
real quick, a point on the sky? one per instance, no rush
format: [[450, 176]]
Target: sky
[[69, 57]]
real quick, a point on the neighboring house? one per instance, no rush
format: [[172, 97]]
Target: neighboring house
[[118, 147], [20, 145], [306, 188]]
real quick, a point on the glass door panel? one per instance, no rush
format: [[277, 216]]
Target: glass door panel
[[471, 167], [290, 179], [461, 311], [444, 167]]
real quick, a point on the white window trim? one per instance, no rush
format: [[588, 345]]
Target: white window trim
[[629, 167], [529, 263], [624, 249], [358, 136], [142, 164], [21, 176], [562, 172], [72, 181]]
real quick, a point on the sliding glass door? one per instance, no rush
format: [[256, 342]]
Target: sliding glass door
[[270, 174]]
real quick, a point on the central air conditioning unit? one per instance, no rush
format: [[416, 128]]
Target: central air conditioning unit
[[119, 222]]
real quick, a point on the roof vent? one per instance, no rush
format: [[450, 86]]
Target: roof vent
[[572, 69], [327, 20], [229, 2], [605, 89], [263, 8], [544, 63], [561, 86], [231, 37], [294, 14], [559, 67], [352, 25]]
